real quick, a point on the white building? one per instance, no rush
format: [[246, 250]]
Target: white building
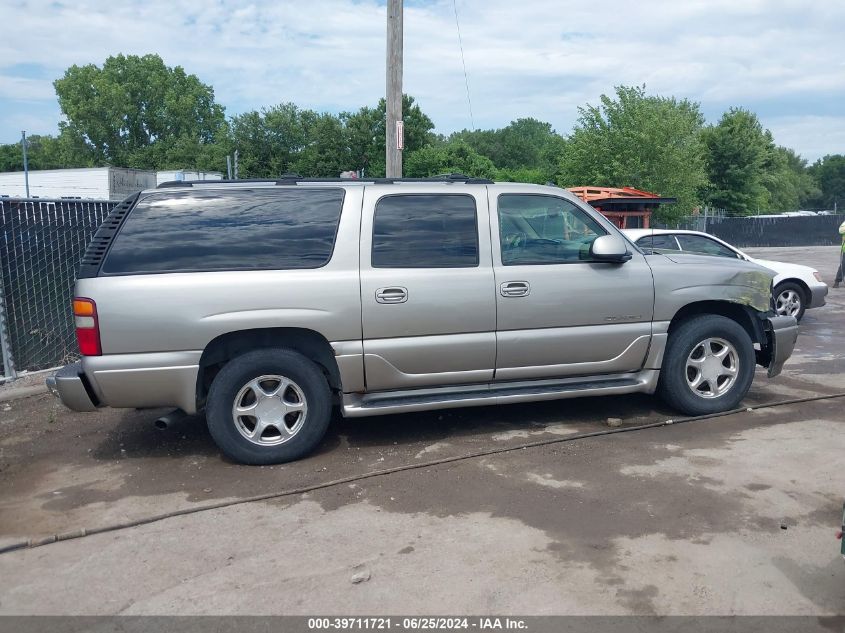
[[185, 174], [94, 183]]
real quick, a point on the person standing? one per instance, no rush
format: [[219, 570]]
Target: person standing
[[841, 271]]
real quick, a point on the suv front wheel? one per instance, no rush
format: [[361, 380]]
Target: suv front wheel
[[268, 406], [708, 365]]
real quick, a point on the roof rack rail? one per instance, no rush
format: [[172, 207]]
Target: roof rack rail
[[224, 181], [461, 178], [296, 179]]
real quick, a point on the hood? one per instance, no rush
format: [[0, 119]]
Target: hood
[[784, 268], [710, 260]]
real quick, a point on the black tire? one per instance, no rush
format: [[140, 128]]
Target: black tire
[[688, 336], [237, 374], [800, 295]]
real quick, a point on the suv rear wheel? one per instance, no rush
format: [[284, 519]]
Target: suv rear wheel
[[708, 365], [268, 406]]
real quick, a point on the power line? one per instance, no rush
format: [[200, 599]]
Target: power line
[[463, 62]]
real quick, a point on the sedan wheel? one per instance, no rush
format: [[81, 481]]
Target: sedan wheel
[[789, 300]]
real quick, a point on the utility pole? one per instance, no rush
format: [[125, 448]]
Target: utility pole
[[394, 141], [236, 164], [229, 166], [25, 163]]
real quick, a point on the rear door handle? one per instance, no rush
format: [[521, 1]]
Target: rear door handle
[[515, 289], [392, 294]]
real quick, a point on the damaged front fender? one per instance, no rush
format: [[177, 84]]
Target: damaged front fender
[[682, 280], [702, 277]]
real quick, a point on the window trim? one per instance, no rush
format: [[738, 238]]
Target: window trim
[[545, 195], [418, 194], [177, 271]]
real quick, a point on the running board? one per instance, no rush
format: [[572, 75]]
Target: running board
[[358, 405]]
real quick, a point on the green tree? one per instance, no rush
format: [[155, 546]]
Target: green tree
[[326, 153], [455, 156], [365, 132], [270, 141], [737, 151], [642, 141], [788, 183], [523, 174], [132, 103], [829, 174], [45, 152], [526, 149]]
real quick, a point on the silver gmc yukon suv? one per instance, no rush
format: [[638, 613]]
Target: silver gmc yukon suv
[[265, 303]]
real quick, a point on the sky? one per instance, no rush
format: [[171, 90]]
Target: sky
[[783, 59]]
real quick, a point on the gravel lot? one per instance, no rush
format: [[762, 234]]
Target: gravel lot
[[732, 515]]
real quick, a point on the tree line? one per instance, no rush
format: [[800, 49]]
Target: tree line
[[134, 111]]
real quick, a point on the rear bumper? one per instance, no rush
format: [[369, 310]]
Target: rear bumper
[[817, 296], [68, 385], [143, 381], [781, 334]]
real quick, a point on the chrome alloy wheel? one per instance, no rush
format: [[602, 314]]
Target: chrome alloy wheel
[[788, 303], [269, 410], [712, 368]]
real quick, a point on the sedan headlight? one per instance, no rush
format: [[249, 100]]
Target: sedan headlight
[[818, 276]]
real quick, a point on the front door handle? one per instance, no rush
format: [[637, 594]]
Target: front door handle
[[515, 289], [392, 294]]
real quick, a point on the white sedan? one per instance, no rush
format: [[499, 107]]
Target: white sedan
[[796, 287]]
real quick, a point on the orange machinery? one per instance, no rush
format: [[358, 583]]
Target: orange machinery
[[626, 207]]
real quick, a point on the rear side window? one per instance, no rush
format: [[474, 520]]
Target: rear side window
[[704, 246], [245, 229], [425, 231], [658, 243]]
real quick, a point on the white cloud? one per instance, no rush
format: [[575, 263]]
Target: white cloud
[[24, 89], [541, 58], [816, 135]]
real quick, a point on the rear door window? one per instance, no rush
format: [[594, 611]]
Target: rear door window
[[425, 231], [704, 246], [659, 243], [243, 229]]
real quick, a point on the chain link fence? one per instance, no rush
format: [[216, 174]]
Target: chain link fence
[[41, 244]]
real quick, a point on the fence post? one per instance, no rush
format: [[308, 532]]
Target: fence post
[[5, 347]]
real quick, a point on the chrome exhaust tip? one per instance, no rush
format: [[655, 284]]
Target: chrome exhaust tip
[[166, 421]]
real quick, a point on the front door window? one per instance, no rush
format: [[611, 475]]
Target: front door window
[[544, 230]]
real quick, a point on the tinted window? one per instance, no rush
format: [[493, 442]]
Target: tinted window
[[425, 231], [544, 230], [704, 246], [232, 230], [658, 243]]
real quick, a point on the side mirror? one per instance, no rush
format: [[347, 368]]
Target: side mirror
[[609, 248]]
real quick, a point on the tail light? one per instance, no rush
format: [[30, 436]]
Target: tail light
[[87, 327]]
